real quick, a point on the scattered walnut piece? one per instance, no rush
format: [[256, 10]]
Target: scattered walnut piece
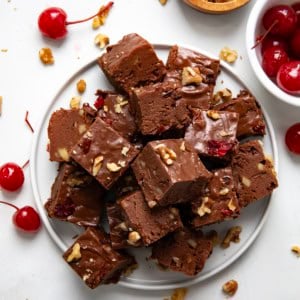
[[75, 254], [230, 287], [222, 95], [75, 102], [101, 40], [46, 56], [1, 102], [232, 235], [229, 55], [179, 294], [191, 76], [81, 86], [4, 50], [204, 209], [296, 250], [96, 23], [166, 154], [163, 2]]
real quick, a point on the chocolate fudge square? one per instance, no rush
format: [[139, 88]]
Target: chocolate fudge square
[[253, 172], [93, 259], [76, 197], [251, 120], [104, 153], [218, 202], [145, 224], [183, 67], [169, 172], [213, 133], [183, 251], [115, 112], [132, 62], [157, 110], [65, 128]]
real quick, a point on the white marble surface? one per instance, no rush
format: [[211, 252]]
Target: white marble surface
[[31, 266]]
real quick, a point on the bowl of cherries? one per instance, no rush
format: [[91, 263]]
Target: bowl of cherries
[[273, 47]]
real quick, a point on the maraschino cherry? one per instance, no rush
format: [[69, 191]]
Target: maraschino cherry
[[53, 22], [288, 77], [292, 138], [295, 43], [25, 218], [296, 8], [273, 41], [11, 177]]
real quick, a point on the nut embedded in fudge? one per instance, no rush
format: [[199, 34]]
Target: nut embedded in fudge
[[132, 62], [93, 259], [104, 153], [183, 251], [157, 110], [145, 224], [76, 197], [74, 122], [213, 133], [251, 121], [115, 112], [194, 75], [218, 201], [253, 172], [169, 172]]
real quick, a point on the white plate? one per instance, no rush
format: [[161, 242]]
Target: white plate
[[148, 276]]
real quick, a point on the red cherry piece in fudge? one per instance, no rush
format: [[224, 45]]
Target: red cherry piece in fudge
[[280, 20], [295, 44], [292, 138], [274, 41], [273, 59], [288, 77], [218, 148], [11, 177]]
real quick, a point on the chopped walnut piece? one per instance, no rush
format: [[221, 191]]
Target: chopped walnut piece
[[97, 164], [81, 86], [230, 287], [191, 76], [166, 154], [246, 181], [133, 237], [101, 40], [1, 101], [46, 56], [224, 191], [75, 254], [231, 205], [296, 250], [113, 167], [212, 114], [125, 151], [151, 204], [232, 235], [75, 102], [4, 50], [182, 146], [204, 209], [228, 55], [63, 153], [179, 294], [222, 95], [163, 2]]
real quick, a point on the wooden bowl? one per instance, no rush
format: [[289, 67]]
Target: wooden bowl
[[216, 8]]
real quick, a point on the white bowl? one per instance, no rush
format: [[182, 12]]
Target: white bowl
[[254, 29]]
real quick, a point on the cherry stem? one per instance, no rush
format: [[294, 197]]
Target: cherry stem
[[103, 10], [261, 38], [27, 121], [26, 164], [9, 204]]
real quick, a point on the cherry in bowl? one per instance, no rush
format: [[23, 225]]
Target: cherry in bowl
[[292, 138], [288, 77]]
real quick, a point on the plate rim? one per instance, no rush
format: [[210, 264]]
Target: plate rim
[[124, 281]]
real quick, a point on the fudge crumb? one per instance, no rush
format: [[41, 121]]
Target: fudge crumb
[[96, 23], [1, 102], [75, 102], [228, 55], [101, 40], [179, 294], [46, 56], [163, 2], [81, 86], [296, 250], [230, 287], [232, 235]]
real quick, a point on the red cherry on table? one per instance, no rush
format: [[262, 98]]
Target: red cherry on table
[[292, 138], [274, 41], [288, 77], [273, 59], [53, 22], [11, 177], [295, 43], [280, 20], [296, 8], [25, 218]]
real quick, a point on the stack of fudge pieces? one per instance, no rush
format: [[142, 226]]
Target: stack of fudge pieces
[[170, 159]]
